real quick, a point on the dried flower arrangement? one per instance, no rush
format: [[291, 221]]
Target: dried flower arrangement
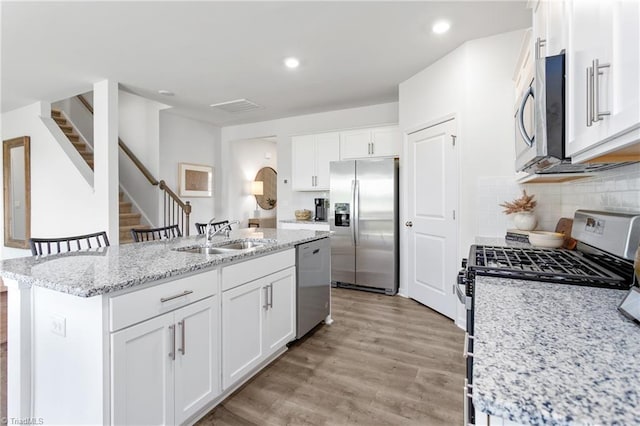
[[519, 205]]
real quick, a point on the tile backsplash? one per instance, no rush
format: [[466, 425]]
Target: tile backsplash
[[613, 190]]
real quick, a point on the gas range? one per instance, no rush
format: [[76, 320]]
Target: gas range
[[551, 265], [604, 258]]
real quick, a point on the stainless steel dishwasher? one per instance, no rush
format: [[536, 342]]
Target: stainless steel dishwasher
[[313, 278]]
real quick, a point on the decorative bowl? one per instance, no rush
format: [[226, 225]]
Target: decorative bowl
[[546, 239]]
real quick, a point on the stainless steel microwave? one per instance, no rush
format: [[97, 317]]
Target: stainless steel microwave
[[540, 147]]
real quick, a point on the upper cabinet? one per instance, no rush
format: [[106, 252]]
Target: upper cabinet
[[603, 79], [366, 143], [311, 154], [311, 157], [549, 21]]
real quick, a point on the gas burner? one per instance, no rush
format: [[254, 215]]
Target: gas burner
[[550, 265]]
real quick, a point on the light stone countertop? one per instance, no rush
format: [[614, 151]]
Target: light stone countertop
[[557, 354], [94, 272], [305, 222]]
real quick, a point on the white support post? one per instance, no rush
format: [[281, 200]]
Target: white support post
[[105, 155], [19, 352]]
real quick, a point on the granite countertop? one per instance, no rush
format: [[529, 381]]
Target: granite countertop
[[99, 271], [307, 222], [549, 353]]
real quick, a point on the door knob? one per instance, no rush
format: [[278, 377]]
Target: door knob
[[408, 224]]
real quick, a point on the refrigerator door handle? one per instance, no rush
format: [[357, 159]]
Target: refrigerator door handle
[[356, 212], [352, 225]]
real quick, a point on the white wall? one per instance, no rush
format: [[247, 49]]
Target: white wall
[[246, 158], [79, 115], [473, 83], [139, 129], [184, 140], [283, 129], [62, 203]]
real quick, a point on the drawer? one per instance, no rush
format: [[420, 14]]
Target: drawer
[[138, 306], [240, 273]]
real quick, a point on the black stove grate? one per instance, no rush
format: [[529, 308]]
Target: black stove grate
[[550, 265]]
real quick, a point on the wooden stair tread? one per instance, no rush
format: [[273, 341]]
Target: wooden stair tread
[[128, 228], [130, 215], [56, 113], [60, 120]]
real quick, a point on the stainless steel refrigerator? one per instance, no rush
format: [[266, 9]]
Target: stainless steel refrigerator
[[363, 216]]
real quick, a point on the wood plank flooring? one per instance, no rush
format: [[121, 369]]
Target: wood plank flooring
[[384, 361]]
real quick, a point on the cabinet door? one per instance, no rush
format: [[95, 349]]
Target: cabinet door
[[303, 163], [279, 324], [385, 142], [197, 368], [355, 144], [242, 316], [589, 39], [327, 150], [625, 66], [142, 373]]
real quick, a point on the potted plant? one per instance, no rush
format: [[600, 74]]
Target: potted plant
[[522, 208]]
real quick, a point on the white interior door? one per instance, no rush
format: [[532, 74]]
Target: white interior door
[[432, 233]]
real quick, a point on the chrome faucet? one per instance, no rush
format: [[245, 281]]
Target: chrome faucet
[[226, 228]]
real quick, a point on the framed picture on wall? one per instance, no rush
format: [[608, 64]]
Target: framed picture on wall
[[196, 180]]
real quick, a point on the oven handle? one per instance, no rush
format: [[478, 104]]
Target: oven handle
[[465, 351], [527, 139], [465, 300]]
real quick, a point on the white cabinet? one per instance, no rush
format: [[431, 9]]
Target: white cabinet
[[166, 369], [365, 143], [550, 35], [258, 319], [311, 155], [603, 83]]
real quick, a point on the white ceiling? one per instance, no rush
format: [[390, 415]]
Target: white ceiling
[[351, 53]]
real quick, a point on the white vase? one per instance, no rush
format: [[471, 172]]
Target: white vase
[[525, 221]]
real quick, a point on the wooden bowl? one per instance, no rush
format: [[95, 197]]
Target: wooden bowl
[[546, 239]]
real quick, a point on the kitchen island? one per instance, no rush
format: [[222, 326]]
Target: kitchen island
[[147, 333], [548, 353]]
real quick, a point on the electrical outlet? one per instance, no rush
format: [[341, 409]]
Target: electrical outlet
[[58, 325]]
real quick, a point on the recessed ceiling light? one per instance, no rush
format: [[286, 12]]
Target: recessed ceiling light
[[166, 92], [441, 27], [292, 62]]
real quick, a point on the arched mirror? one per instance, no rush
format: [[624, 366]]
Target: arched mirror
[[269, 179], [17, 192]]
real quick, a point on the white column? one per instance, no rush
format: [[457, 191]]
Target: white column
[[19, 353], [105, 155]]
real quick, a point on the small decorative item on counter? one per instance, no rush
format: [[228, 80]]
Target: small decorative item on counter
[[303, 214], [546, 239], [522, 207]]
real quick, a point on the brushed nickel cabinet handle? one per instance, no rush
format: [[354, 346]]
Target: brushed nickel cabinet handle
[[596, 67], [184, 293], [172, 354], [266, 298], [271, 295], [183, 329], [588, 98]]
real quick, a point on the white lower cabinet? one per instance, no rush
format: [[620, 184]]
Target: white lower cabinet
[[166, 369], [258, 319]]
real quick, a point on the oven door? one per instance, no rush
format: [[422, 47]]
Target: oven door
[[524, 129], [463, 289]]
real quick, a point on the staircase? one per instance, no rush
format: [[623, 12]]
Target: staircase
[[73, 137], [128, 219]]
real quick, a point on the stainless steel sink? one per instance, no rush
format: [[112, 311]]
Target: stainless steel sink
[[241, 245], [231, 247]]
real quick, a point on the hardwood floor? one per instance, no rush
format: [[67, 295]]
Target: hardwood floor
[[384, 361]]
